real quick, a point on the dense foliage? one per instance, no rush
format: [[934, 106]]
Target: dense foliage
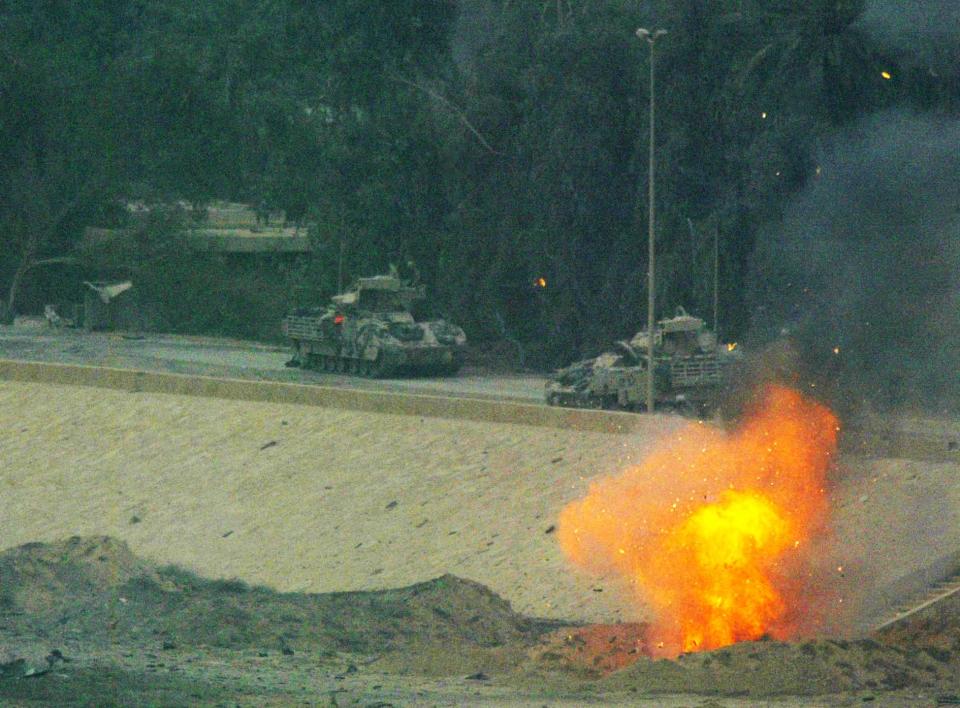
[[495, 142]]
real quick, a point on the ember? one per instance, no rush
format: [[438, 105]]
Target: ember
[[714, 530]]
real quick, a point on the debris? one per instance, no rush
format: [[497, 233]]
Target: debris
[[56, 655], [555, 460], [479, 676], [13, 669], [228, 533], [269, 444], [551, 528], [53, 319], [134, 519], [392, 505], [20, 668]]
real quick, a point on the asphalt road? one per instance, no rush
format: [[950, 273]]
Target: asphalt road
[[33, 340]]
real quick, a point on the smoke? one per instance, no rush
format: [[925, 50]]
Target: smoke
[[899, 22], [921, 34], [864, 268]]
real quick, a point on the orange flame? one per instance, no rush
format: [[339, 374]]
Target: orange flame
[[713, 529]]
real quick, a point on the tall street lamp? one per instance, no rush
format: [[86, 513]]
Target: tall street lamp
[[651, 37]]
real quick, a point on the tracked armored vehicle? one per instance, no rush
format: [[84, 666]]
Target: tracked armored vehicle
[[369, 331], [688, 371]]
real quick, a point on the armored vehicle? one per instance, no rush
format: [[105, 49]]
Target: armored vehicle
[[369, 331], [688, 371]]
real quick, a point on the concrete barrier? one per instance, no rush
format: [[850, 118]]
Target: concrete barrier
[[492, 411]]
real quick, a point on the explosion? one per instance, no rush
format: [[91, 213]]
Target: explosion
[[715, 530]]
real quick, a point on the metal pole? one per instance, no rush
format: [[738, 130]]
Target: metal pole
[[651, 38], [651, 290], [716, 271], [340, 268]]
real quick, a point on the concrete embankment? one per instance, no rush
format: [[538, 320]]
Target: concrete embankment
[[305, 497], [914, 439], [321, 489]]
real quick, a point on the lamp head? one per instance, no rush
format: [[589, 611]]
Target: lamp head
[[644, 33]]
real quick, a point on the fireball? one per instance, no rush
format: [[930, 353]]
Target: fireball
[[714, 530]]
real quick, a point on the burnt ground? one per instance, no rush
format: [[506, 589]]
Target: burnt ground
[[86, 622]]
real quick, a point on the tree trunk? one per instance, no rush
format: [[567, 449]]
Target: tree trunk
[[8, 311]]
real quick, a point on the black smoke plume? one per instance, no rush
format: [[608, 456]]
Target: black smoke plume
[[863, 271]]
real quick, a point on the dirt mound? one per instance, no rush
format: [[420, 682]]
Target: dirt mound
[[768, 668], [38, 578], [448, 611], [101, 600], [96, 588], [618, 655]]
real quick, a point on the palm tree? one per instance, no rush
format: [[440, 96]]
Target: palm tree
[[805, 49]]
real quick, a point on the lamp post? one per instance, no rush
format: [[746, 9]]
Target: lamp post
[[651, 38]]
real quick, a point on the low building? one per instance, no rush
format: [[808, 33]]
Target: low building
[[222, 227]]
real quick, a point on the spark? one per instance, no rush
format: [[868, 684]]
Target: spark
[[886, 75]]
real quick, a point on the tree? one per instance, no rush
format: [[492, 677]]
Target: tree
[[55, 136]]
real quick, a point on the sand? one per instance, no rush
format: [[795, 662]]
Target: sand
[[303, 498]]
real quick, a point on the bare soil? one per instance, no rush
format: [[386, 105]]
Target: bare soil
[[85, 622]]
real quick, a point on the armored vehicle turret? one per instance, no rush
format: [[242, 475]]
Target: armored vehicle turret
[[369, 331]]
